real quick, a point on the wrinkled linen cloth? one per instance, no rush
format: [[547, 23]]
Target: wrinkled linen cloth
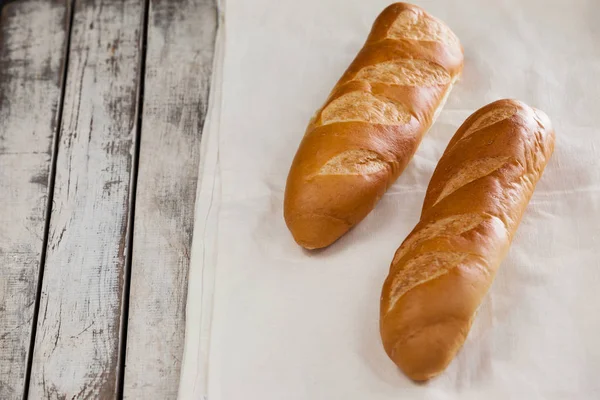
[[267, 320]]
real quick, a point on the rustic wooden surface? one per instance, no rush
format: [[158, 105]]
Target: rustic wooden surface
[[32, 45], [102, 104], [180, 49], [76, 352]]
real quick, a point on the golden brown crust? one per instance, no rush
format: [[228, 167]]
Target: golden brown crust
[[473, 205], [360, 141]]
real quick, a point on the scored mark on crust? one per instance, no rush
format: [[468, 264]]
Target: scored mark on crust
[[354, 162], [414, 25], [490, 118], [470, 172], [451, 226], [365, 107], [421, 269], [406, 72]]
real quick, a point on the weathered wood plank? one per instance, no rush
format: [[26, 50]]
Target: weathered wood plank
[[32, 48], [181, 37], [76, 352]]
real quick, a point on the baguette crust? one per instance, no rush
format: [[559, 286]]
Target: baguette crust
[[472, 208], [361, 139]]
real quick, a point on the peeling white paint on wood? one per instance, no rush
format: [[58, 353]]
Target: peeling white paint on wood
[[77, 341], [180, 50], [32, 43]]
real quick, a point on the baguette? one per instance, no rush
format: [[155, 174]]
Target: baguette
[[360, 141], [473, 205]]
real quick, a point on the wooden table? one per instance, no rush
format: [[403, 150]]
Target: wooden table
[[102, 104]]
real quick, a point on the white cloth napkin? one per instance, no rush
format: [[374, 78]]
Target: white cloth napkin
[[269, 321]]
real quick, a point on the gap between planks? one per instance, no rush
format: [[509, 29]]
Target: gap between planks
[[179, 60], [88, 268], [132, 201], [48, 213]]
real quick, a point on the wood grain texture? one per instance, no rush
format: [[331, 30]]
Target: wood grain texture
[[181, 37], [76, 347], [32, 43]]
